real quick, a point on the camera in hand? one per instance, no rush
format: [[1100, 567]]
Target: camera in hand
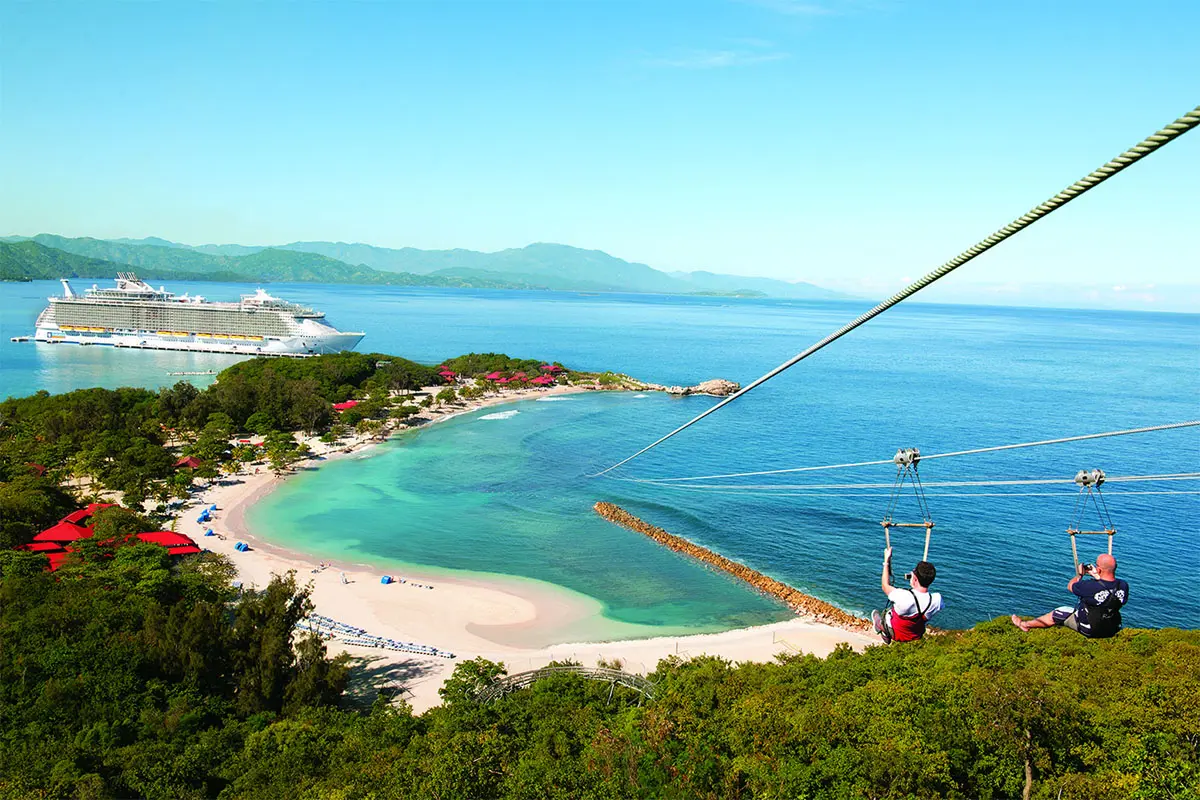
[[1085, 569]]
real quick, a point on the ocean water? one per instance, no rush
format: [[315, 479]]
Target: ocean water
[[511, 493]]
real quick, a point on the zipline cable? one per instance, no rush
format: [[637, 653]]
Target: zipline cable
[[1131, 156], [1174, 476], [943, 494], [976, 451]]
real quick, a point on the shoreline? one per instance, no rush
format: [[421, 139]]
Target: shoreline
[[501, 618]]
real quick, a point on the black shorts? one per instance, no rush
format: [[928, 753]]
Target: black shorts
[[1065, 616]]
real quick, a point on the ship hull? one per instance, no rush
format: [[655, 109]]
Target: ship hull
[[136, 316], [303, 345]]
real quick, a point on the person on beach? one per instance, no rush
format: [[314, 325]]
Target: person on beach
[[1097, 613], [908, 607]]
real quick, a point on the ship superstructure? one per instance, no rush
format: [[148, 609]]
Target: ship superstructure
[[134, 314]]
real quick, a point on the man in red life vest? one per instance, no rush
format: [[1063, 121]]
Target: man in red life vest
[[908, 607]]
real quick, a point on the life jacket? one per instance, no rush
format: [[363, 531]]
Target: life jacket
[[909, 629]]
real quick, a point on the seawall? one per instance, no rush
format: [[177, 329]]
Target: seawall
[[797, 600]]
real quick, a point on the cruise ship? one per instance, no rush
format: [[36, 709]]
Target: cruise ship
[[134, 314]]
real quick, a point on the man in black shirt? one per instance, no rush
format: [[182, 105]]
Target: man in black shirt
[[1097, 614]]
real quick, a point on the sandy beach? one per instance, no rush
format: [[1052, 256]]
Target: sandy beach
[[502, 619]]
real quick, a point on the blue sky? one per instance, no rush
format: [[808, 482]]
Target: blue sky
[[853, 144]]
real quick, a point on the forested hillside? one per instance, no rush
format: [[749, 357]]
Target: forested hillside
[[34, 260], [27, 260], [127, 676], [536, 266]]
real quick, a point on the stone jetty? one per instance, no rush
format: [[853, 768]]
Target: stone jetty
[[795, 599]]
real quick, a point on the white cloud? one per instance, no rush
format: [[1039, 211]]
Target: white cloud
[[716, 59], [793, 8]]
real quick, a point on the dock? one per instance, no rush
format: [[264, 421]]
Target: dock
[[803, 604]]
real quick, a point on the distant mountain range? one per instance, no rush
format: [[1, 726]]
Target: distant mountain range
[[537, 266]]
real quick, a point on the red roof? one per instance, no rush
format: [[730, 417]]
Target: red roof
[[166, 538], [551, 367], [37, 469], [56, 560], [493, 376], [191, 462], [519, 375], [41, 547], [183, 550], [84, 513], [544, 380], [346, 405], [63, 532]]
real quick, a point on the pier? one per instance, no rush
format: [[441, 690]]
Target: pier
[[803, 604]]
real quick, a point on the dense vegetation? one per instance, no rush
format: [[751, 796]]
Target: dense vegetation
[[126, 676], [487, 363]]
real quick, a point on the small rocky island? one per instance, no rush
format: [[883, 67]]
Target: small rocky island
[[716, 387]]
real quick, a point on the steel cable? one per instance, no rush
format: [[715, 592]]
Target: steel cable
[[1131, 156], [976, 451]]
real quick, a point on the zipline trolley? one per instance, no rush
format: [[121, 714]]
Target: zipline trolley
[[907, 459], [1089, 482]]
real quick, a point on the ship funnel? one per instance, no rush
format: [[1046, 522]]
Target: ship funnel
[[67, 291]]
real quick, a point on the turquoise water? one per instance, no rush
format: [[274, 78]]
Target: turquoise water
[[499, 490], [511, 495]]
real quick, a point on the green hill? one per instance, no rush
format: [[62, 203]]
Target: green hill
[[33, 260], [537, 266], [29, 261]]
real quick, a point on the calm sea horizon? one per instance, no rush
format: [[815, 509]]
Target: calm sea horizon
[[508, 490]]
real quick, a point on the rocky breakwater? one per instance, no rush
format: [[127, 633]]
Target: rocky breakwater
[[795, 599]]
